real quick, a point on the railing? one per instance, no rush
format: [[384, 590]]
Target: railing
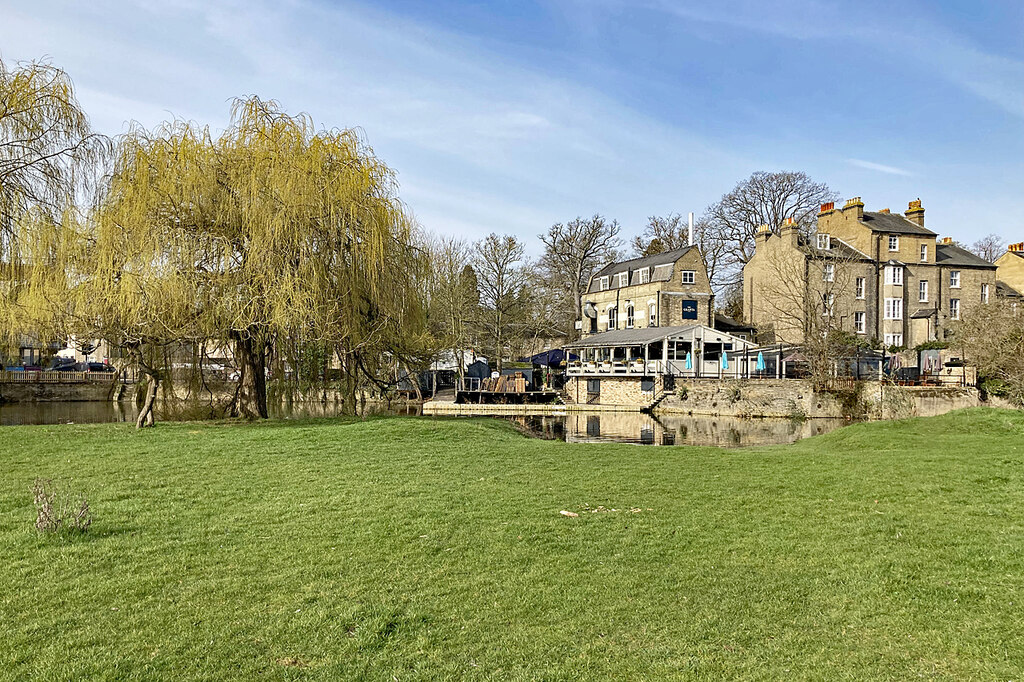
[[7, 376], [616, 368]]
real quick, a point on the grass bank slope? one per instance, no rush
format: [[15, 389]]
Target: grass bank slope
[[434, 549]]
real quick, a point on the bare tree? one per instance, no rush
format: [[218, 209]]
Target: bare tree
[[454, 297], [502, 277], [671, 232], [992, 339], [762, 199], [572, 252], [989, 247]]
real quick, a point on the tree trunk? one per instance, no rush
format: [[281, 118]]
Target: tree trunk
[[146, 413], [251, 398]]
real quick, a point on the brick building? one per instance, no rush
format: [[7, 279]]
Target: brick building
[[876, 274], [1010, 272], [666, 289]]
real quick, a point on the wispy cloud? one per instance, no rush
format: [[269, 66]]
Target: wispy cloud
[[880, 167]]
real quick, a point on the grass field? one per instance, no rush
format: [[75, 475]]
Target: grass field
[[434, 549]]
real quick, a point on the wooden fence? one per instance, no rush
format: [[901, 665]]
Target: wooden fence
[[9, 377]]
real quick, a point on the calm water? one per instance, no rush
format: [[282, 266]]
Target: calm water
[[581, 427]]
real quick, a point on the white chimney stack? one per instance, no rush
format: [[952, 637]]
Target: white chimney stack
[[690, 235]]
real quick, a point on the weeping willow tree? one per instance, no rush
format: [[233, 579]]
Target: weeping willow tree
[[271, 231], [48, 159]]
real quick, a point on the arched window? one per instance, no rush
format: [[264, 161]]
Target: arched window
[[653, 311], [613, 318], [630, 317]]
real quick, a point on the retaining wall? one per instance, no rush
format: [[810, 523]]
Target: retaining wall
[[42, 392]]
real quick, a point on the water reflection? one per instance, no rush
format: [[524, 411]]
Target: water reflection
[[576, 427], [644, 429]]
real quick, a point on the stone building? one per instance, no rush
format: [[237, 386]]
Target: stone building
[[667, 289], [1010, 272], [875, 274]]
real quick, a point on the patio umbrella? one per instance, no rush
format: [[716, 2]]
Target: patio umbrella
[[725, 360], [760, 362], [689, 361]]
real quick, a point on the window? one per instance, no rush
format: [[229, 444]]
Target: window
[[689, 276], [602, 284], [922, 291], [858, 323], [894, 243], [613, 318], [984, 293], [643, 276], [860, 287], [954, 279], [828, 302], [594, 386], [954, 308], [894, 308], [654, 316], [829, 272], [924, 252], [623, 279], [894, 275], [894, 340], [824, 241], [630, 317]]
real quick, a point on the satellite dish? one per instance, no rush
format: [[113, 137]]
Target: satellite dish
[[590, 310]]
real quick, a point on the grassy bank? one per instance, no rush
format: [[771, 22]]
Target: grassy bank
[[419, 549]]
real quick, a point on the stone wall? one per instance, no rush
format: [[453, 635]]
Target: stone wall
[[793, 398], [615, 391], [32, 392]]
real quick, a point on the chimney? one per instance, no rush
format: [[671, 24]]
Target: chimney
[[826, 209], [884, 210], [1016, 248], [947, 241], [689, 236], [915, 213], [857, 205], [763, 232], [790, 230]]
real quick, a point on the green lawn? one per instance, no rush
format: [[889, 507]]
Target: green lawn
[[409, 548]]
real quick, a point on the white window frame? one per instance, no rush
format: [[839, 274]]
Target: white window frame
[[630, 315], [644, 275], [984, 293], [828, 272], [922, 291], [860, 284], [894, 275], [859, 322], [602, 283], [652, 315], [954, 308], [894, 243], [828, 304], [894, 340], [924, 253], [613, 318], [954, 279], [688, 277], [825, 242], [622, 279], [894, 308]]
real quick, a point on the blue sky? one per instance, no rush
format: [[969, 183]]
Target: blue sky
[[509, 116]]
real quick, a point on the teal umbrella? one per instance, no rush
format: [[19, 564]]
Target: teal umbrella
[[689, 361], [760, 362], [725, 360]]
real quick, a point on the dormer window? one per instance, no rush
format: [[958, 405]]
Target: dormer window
[[689, 277], [643, 276], [894, 243], [824, 242], [602, 283], [622, 279]]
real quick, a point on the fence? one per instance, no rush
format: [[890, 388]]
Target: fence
[[6, 376]]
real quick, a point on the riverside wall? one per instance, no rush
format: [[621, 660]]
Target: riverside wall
[[45, 392]]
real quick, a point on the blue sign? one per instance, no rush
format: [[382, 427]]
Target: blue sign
[[689, 310]]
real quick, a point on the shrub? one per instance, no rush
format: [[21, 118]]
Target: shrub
[[682, 392], [58, 509]]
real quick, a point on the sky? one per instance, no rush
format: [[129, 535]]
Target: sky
[[509, 116]]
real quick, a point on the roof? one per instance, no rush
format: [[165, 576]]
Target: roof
[[838, 249], [640, 337], [1004, 289], [949, 254], [728, 324], [893, 223], [663, 258], [923, 313]]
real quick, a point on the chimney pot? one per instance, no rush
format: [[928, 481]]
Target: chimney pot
[[828, 207], [1016, 248], [915, 212], [947, 240], [884, 210]]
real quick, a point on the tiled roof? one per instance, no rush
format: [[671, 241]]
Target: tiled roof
[[950, 254], [632, 266], [1004, 289], [893, 223]]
